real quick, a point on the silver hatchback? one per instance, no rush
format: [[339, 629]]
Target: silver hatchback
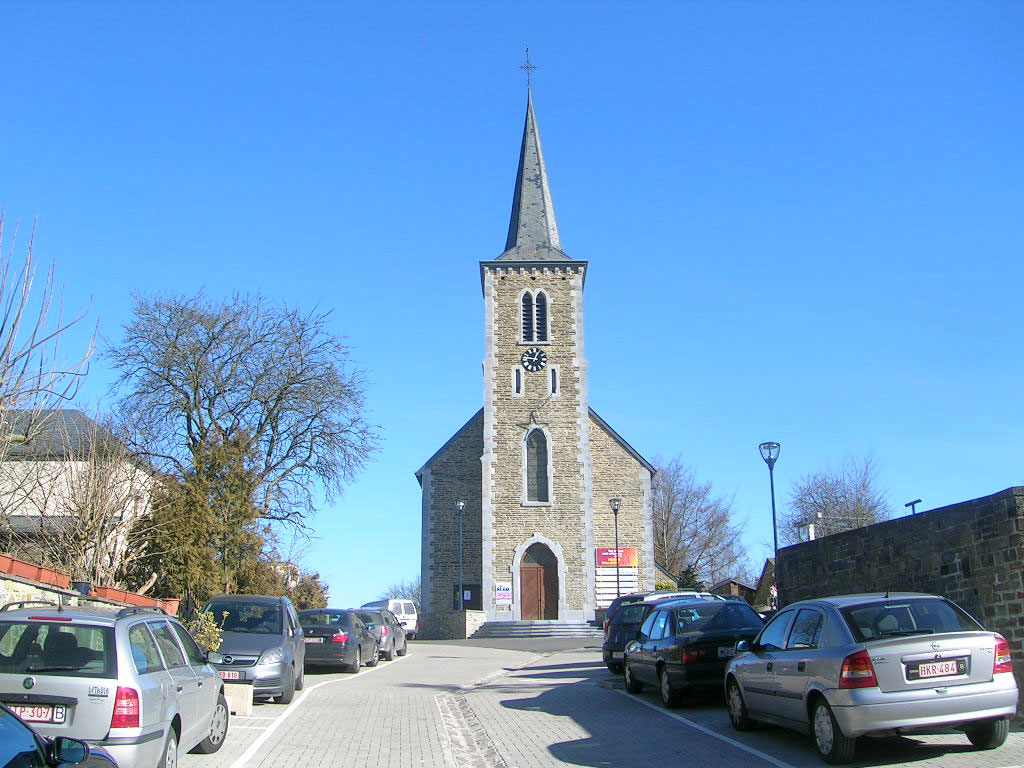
[[132, 681], [842, 667]]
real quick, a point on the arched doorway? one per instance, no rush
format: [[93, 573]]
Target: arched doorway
[[538, 584]]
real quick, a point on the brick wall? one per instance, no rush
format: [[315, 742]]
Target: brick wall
[[970, 553]]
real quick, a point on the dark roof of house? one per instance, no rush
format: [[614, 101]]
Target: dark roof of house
[[50, 434]]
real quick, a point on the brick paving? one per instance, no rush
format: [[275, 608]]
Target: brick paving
[[464, 705]]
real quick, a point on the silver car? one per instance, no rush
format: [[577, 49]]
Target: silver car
[[132, 681], [842, 667]]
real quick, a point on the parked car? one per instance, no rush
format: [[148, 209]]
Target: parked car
[[626, 622], [336, 636], [388, 631], [261, 642], [685, 645], [131, 681], [22, 747], [842, 667], [639, 597], [405, 612]]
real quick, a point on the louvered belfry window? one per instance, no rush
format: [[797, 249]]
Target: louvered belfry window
[[527, 317], [541, 316], [537, 467]]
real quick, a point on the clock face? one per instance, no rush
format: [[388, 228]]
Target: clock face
[[534, 359]]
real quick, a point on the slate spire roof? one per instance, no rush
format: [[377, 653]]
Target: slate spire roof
[[532, 231]]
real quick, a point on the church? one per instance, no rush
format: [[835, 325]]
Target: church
[[524, 506]]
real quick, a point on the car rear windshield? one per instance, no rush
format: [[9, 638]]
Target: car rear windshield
[[633, 613], [720, 615], [242, 616], [325, 619], [913, 616], [57, 648], [371, 617]]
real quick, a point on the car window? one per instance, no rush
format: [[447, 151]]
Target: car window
[[243, 616], [806, 629], [172, 654], [193, 652], [645, 629], [56, 648], [631, 614], [143, 648], [660, 622], [408, 609], [773, 636], [19, 747], [925, 615], [371, 618], [715, 616]]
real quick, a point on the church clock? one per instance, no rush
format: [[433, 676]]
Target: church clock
[[534, 359]]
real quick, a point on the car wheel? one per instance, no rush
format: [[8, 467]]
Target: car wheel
[[615, 669], [389, 655], [834, 746], [632, 684], [289, 692], [670, 697], [354, 666], [738, 715], [405, 647], [170, 756], [990, 734], [218, 729]]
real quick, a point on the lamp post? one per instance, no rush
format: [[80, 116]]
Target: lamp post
[[615, 504], [461, 506], [770, 452]]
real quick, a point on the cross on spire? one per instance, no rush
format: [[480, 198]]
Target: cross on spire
[[528, 67]]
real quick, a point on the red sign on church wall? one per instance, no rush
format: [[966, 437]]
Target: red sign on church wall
[[606, 557]]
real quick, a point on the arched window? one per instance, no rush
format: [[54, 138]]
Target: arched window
[[541, 316], [535, 316], [537, 467], [527, 316]]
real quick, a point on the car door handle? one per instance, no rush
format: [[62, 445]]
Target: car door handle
[[769, 666], [800, 666], [200, 683], [177, 688]]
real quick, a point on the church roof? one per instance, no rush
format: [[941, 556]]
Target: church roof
[[532, 230]]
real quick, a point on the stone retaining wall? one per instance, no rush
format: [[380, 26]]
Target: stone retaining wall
[[449, 625]]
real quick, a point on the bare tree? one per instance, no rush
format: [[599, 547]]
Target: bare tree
[[70, 493], [694, 530], [403, 589], [834, 500], [270, 380], [33, 373]]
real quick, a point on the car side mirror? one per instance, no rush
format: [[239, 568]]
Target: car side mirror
[[743, 646], [66, 750], [214, 657]]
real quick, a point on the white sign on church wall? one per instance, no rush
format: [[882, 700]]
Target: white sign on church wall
[[503, 593]]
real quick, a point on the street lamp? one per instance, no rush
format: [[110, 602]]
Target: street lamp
[[461, 506], [770, 452], [615, 504]]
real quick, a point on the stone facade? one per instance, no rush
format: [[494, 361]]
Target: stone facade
[[970, 553]]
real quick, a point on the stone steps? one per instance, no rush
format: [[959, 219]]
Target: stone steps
[[506, 629]]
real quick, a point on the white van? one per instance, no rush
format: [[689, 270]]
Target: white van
[[404, 610]]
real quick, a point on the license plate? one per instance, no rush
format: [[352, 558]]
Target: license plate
[[308, 640], [39, 713], [229, 674], [726, 651], [941, 668]]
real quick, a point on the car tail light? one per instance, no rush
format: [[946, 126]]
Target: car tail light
[[606, 623], [1002, 662], [383, 631], [857, 671], [691, 655], [48, 618], [126, 708], [340, 637]]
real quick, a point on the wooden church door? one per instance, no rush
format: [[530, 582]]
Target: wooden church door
[[538, 584]]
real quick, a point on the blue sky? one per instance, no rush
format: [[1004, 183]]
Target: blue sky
[[803, 219]]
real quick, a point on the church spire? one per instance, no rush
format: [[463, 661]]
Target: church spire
[[532, 231]]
